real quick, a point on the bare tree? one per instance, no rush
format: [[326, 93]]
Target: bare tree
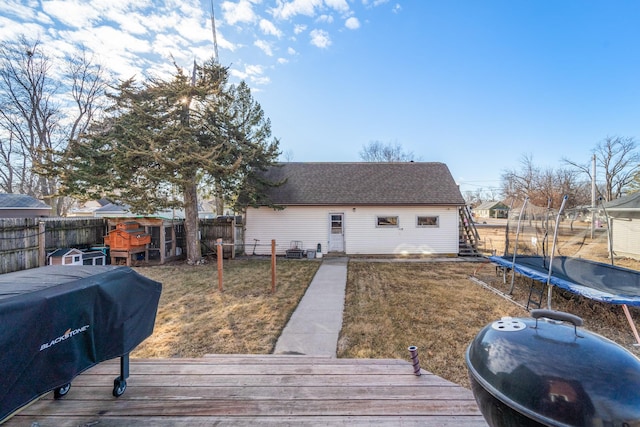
[[37, 118], [480, 195], [520, 183], [376, 151], [543, 185], [618, 158]]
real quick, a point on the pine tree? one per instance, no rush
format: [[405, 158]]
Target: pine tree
[[161, 140]]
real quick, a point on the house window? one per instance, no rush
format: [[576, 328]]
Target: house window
[[428, 221], [387, 221]]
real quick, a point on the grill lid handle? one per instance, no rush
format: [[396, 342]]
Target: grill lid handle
[[557, 315]]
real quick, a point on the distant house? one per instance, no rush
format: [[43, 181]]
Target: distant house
[[22, 206], [88, 208], [359, 208], [624, 216], [491, 209]]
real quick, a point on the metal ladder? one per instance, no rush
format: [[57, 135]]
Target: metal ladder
[[536, 294]]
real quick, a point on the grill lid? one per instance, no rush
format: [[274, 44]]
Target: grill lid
[[556, 373]]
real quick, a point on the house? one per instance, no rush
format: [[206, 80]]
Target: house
[[624, 218], [88, 208], [408, 208], [22, 206], [491, 209]]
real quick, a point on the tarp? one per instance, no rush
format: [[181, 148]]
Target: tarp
[[594, 280], [57, 321]]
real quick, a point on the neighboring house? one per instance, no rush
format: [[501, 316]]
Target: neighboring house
[[88, 208], [491, 209], [624, 214], [359, 208], [22, 206]]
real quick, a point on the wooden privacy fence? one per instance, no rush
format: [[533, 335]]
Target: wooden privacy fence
[[227, 228], [25, 242]]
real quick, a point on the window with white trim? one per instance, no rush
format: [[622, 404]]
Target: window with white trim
[[387, 221], [428, 221]]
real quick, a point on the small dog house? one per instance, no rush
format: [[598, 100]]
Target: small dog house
[[72, 256], [66, 256]]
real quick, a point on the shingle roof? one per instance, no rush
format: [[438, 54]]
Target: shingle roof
[[412, 183], [490, 205], [624, 207], [630, 202], [22, 201]]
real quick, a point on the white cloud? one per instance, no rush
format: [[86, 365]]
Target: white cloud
[[268, 28], [254, 70], [19, 9], [374, 2], [264, 46], [10, 29], [289, 9], [238, 12], [252, 73], [71, 13], [325, 18], [260, 80], [339, 5], [397, 8], [320, 38], [139, 37], [352, 23]]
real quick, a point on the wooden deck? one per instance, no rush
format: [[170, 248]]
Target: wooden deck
[[250, 390]]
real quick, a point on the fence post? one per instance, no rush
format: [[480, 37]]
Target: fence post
[[273, 265], [42, 256], [219, 253]]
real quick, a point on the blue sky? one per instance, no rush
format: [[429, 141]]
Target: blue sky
[[476, 84]]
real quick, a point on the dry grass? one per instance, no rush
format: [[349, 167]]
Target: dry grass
[[194, 318], [432, 305], [389, 306]]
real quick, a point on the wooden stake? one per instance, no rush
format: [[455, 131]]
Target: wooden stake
[[42, 255], [273, 265], [219, 253]]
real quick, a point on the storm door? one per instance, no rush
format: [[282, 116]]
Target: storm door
[[336, 232]]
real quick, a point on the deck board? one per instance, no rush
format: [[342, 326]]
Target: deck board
[[249, 390]]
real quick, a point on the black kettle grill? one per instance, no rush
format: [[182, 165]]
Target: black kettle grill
[[545, 371]]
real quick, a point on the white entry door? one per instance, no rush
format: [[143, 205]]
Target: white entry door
[[336, 232]]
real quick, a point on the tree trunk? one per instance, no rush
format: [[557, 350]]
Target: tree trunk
[[194, 255]]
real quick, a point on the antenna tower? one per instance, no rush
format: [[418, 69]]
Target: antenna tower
[[215, 40]]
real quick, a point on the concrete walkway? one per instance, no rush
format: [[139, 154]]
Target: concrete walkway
[[314, 326]]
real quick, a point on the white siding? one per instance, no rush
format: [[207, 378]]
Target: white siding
[[626, 237], [311, 226]]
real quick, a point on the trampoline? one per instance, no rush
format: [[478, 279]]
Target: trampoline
[[594, 280], [591, 279]]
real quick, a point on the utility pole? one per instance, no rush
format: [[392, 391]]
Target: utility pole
[[593, 197], [215, 39]]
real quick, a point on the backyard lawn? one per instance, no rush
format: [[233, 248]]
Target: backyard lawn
[[389, 306]]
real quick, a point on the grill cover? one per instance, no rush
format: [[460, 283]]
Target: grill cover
[[58, 321]]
